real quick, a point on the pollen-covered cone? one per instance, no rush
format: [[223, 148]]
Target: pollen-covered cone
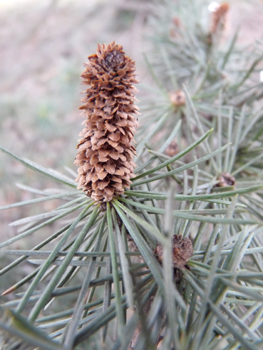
[[105, 151]]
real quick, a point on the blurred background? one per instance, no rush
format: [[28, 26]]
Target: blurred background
[[43, 45]]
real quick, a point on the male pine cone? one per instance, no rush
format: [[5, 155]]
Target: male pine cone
[[105, 151]]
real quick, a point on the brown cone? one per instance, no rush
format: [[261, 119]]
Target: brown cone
[[105, 151]]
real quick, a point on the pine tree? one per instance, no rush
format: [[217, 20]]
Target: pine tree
[[172, 257]]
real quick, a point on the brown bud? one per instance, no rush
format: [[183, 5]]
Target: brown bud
[[176, 23], [225, 180], [106, 147], [172, 149], [182, 250], [219, 17], [177, 98]]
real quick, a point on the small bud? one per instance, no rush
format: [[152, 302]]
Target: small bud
[[176, 23], [219, 17], [182, 250], [225, 180], [172, 149], [177, 98]]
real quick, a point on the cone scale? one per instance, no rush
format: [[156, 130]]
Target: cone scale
[[106, 147]]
